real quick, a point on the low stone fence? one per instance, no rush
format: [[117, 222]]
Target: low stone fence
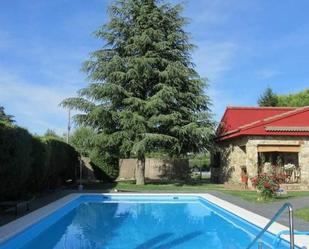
[[155, 169]]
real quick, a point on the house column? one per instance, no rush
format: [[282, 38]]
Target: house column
[[303, 158], [252, 161]]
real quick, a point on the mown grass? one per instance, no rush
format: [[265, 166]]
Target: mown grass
[[170, 187], [302, 213], [251, 196], [193, 187]]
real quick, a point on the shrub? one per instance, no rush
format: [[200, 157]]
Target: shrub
[[104, 161], [39, 174], [82, 140], [267, 185], [105, 166], [201, 161], [62, 160], [15, 161], [31, 164]]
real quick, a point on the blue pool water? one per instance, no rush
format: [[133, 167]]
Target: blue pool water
[[134, 222]]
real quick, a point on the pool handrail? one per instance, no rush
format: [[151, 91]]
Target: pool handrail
[[288, 206], [286, 232]]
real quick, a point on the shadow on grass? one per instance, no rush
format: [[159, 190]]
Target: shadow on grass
[[107, 186], [193, 182], [155, 186], [179, 183]]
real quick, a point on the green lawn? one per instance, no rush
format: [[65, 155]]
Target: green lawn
[[169, 187], [158, 187], [302, 213], [193, 187], [251, 195]]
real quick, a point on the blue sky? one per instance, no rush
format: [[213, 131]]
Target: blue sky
[[243, 47]]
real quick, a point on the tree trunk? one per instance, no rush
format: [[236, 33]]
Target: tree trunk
[[140, 171]]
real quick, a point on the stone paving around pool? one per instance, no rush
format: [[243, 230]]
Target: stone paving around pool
[[269, 209]]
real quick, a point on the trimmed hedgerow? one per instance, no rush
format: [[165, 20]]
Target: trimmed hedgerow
[[62, 160], [15, 161], [39, 167], [30, 164]]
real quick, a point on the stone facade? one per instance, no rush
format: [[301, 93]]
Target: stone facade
[[243, 151], [155, 169]]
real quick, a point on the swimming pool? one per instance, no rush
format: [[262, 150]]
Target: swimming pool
[[139, 222]]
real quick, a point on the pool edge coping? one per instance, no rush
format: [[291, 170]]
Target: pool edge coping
[[11, 229]]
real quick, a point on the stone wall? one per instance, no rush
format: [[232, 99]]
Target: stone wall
[[155, 169], [127, 169], [233, 155], [243, 151]]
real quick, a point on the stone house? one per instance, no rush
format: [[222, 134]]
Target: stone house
[[263, 139]]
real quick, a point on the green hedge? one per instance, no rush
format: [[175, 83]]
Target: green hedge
[[103, 161], [39, 167], [62, 160], [30, 164], [15, 160]]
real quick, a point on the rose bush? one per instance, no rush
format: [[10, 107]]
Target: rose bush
[[267, 185]]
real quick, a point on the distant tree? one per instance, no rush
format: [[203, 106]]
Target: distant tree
[[82, 140], [52, 134], [268, 98], [294, 100], [146, 94], [5, 118]]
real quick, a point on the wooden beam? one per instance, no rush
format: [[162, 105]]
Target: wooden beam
[[278, 148]]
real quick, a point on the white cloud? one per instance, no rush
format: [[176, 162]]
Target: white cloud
[[32, 91], [34, 106], [214, 58]]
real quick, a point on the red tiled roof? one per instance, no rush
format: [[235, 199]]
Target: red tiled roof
[[240, 121]]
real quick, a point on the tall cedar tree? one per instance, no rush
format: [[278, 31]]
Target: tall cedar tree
[[145, 95], [268, 98]]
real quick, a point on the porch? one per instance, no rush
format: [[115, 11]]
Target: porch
[[281, 161]]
